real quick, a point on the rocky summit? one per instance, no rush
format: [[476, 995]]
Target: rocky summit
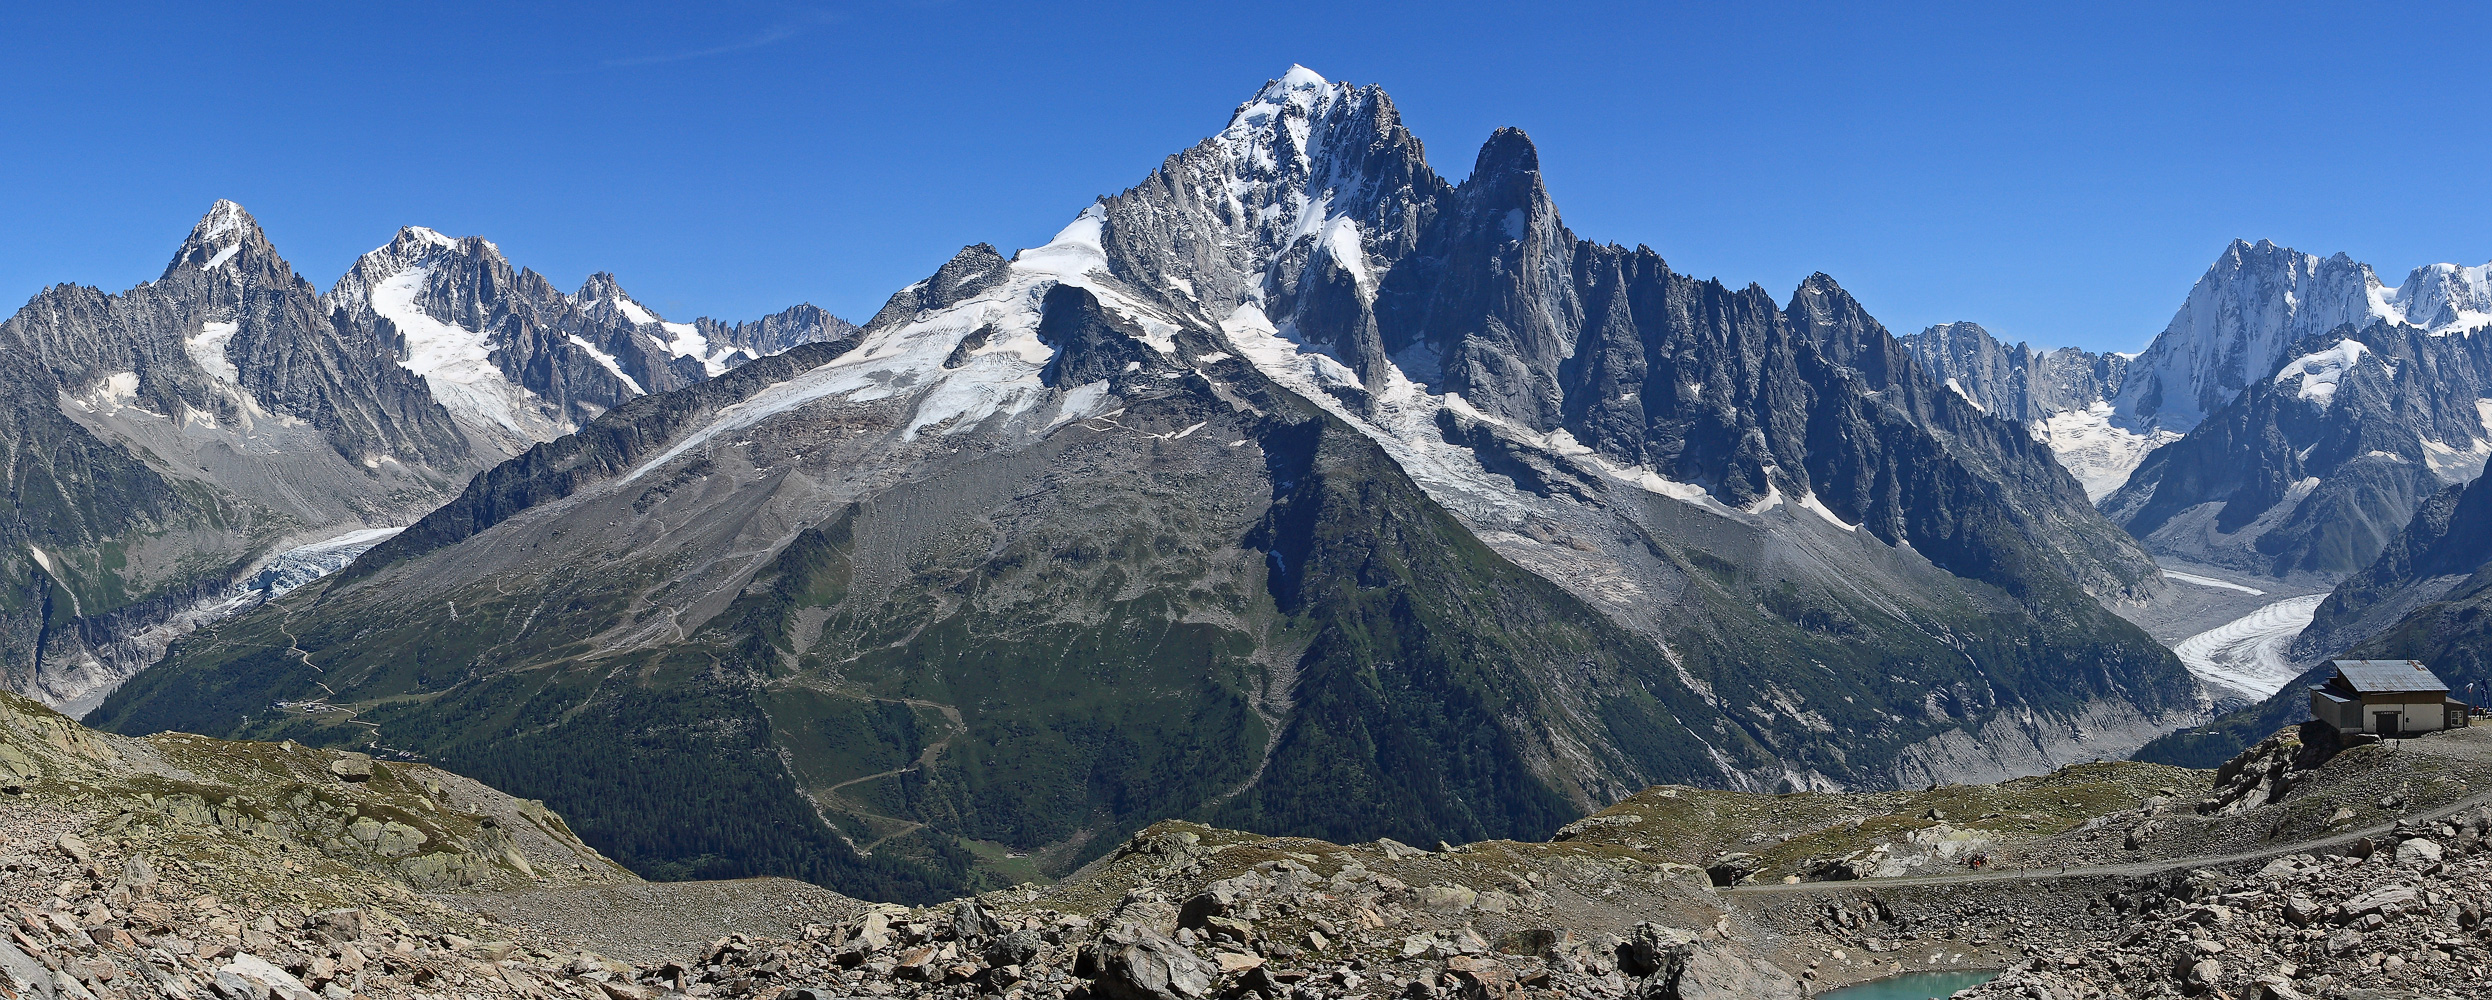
[[1295, 488]]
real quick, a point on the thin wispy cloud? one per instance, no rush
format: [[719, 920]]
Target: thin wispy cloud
[[802, 23]]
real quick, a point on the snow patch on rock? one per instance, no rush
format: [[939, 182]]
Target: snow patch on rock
[[207, 349], [2320, 372], [1968, 397], [608, 361]]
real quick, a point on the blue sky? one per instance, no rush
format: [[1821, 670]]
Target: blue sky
[[2060, 176]]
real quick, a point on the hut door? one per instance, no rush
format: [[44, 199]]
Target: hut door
[[2385, 723]]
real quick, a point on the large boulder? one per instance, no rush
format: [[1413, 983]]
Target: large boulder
[[1714, 973], [1016, 948], [356, 767], [1213, 901], [971, 923], [1673, 964], [1133, 962], [1732, 868]]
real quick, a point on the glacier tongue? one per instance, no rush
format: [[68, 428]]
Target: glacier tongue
[[2251, 654]]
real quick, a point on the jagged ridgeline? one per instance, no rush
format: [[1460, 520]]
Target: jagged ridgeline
[[187, 447], [2286, 424], [163, 442], [1295, 489]]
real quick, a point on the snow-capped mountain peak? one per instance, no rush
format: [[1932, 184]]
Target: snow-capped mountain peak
[[1283, 159], [413, 236], [1308, 195], [1298, 80], [2259, 299], [2254, 303], [219, 237], [439, 294], [1301, 90], [2444, 298], [414, 247], [224, 219]]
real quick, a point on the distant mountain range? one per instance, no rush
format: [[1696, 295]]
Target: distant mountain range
[[2298, 420], [1295, 488], [2062, 397], [2287, 423], [182, 449]]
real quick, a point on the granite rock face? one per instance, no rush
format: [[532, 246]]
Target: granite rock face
[[2018, 382]]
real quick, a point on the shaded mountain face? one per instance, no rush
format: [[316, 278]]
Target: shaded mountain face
[[2062, 397], [186, 447], [2317, 465], [2015, 382], [2448, 542], [1294, 488], [2427, 597]]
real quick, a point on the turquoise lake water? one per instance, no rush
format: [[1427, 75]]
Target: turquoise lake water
[[1911, 986]]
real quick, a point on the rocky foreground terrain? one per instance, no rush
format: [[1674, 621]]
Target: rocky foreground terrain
[[179, 866]]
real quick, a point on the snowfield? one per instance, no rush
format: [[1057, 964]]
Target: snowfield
[[457, 365], [2319, 373], [2100, 454]]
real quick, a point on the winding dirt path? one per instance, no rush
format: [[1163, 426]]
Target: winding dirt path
[[926, 758], [2129, 869]]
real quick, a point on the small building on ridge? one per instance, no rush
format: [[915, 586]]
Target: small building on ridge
[[2386, 697]]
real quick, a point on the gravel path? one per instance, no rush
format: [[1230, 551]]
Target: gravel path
[[655, 921], [2472, 754]]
